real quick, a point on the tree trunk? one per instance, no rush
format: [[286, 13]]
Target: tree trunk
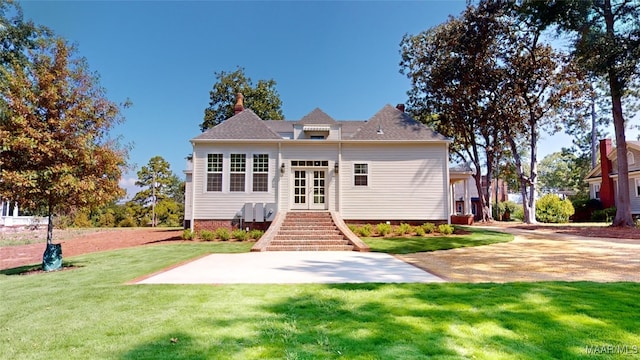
[[481, 196], [623, 205], [527, 205], [52, 257], [594, 140], [533, 172], [50, 229]]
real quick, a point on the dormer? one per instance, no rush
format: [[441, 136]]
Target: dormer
[[316, 125]]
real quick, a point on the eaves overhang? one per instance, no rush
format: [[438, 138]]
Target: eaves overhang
[[313, 141]]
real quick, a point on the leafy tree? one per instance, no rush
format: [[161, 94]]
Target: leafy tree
[[263, 99], [486, 80], [17, 34], [455, 84], [55, 153], [546, 90], [563, 171], [611, 30], [163, 193]]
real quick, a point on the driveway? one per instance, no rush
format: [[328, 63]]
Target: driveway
[[536, 256], [292, 267]]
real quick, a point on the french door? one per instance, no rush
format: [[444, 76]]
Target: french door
[[309, 189]]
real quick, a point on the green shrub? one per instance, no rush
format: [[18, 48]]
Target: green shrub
[[445, 229], [404, 229], [353, 228], [223, 234], [206, 235], [505, 209], [604, 215], [187, 234], [364, 230], [81, 220], [384, 229], [551, 209], [584, 208], [420, 231], [518, 214], [61, 222], [127, 222], [106, 220], [429, 228], [256, 234], [240, 235]]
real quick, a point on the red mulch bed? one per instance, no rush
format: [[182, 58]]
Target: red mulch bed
[[577, 230], [23, 255]]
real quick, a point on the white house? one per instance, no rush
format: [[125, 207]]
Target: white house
[[10, 217], [603, 179], [387, 168]]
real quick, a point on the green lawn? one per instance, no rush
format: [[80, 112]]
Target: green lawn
[[90, 313], [408, 245]]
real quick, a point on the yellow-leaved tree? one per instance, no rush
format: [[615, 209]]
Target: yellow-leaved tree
[[55, 149]]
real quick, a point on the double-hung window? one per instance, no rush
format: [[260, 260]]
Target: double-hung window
[[214, 172], [637, 187], [260, 172], [596, 191], [237, 173], [361, 174]]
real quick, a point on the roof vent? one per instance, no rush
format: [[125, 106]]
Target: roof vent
[[380, 132], [400, 107]]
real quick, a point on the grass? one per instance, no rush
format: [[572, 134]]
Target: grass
[[409, 245], [89, 312]]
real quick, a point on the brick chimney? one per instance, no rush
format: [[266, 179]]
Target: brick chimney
[[607, 196], [400, 107], [239, 104]]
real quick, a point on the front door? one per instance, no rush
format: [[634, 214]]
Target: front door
[[309, 190]]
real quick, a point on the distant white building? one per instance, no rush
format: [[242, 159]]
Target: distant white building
[[10, 216]]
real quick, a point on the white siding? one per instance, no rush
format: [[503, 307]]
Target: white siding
[[188, 183], [225, 204], [406, 182], [633, 196]]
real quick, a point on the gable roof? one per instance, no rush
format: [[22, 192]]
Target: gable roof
[[387, 124], [245, 125], [317, 116], [393, 124], [596, 172]]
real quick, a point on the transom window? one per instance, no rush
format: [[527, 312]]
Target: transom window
[[214, 172], [361, 174], [237, 172], [261, 172], [310, 163]]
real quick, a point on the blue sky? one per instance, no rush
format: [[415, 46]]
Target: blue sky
[[342, 57]]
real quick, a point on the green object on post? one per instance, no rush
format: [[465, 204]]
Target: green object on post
[[52, 258]]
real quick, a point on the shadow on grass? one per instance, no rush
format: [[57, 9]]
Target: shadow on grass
[[37, 269], [490, 321], [413, 321], [176, 346]]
